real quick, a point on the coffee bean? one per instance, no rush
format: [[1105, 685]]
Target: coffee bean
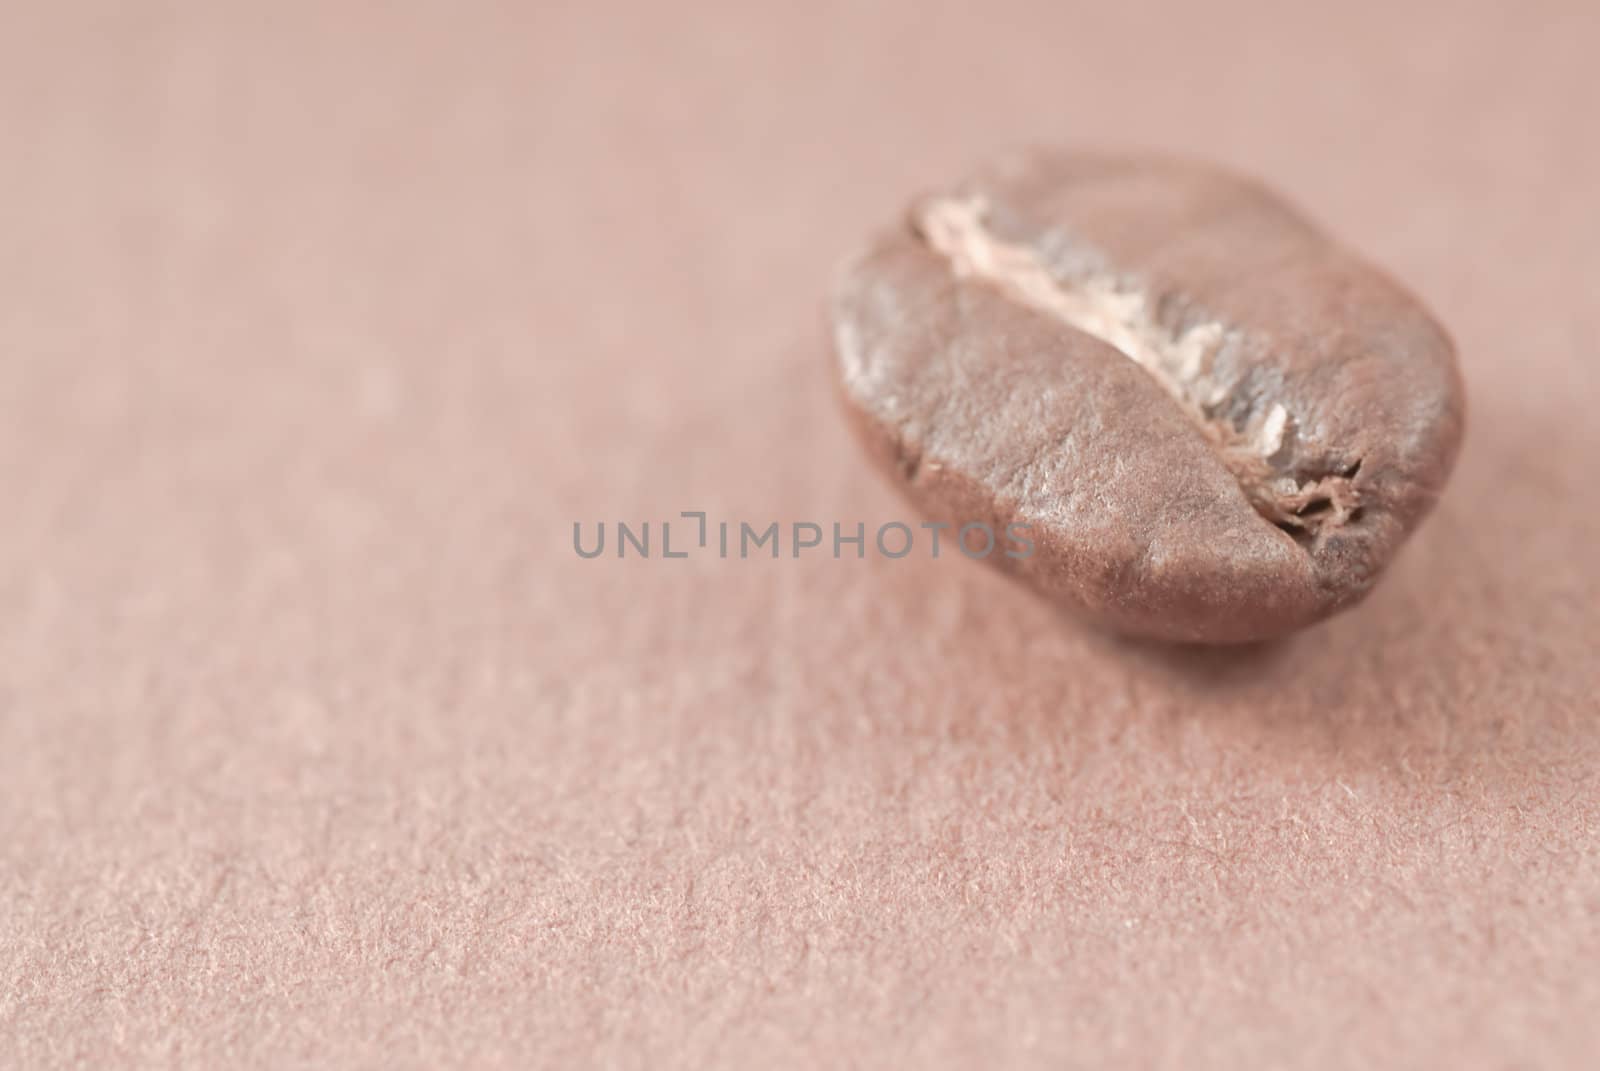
[[1218, 424]]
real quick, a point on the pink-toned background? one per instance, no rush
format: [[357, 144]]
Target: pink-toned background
[[321, 323]]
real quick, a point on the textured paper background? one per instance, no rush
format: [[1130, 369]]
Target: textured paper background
[[322, 323]]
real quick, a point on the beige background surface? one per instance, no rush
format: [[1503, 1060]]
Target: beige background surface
[[321, 324]]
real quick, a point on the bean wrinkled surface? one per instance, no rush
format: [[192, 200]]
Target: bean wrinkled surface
[[1217, 423]]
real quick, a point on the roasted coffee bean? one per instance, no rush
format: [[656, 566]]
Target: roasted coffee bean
[[1218, 424]]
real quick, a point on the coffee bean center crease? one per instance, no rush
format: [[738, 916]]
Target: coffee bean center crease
[[1120, 313]]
